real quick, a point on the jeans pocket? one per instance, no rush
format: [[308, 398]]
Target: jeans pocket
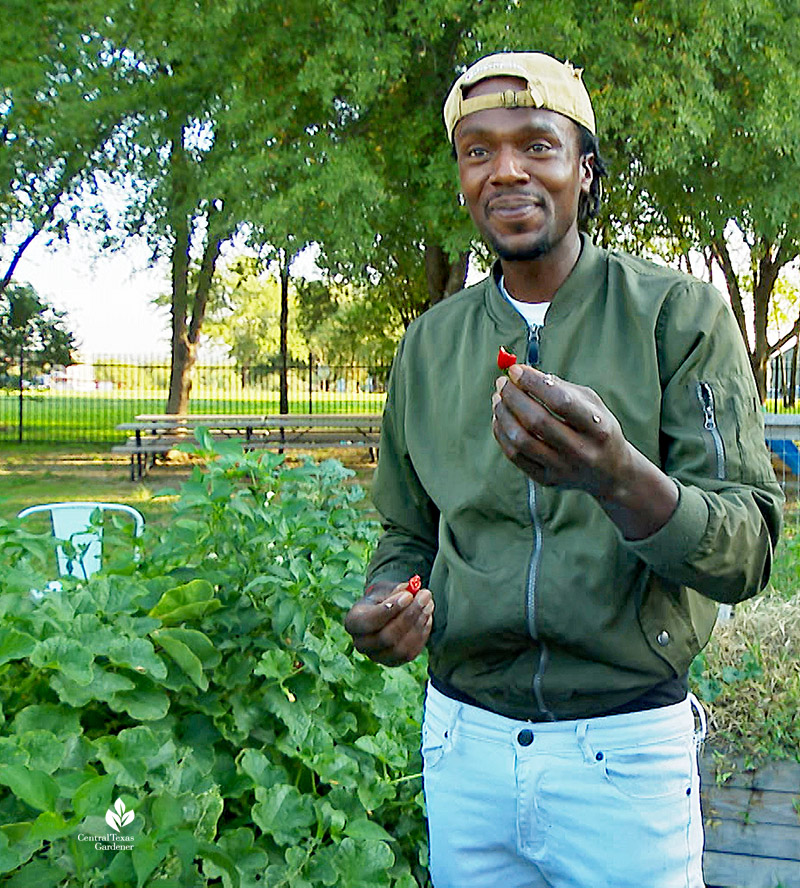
[[435, 742], [651, 771]]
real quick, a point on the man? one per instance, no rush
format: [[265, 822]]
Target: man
[[576, 522]]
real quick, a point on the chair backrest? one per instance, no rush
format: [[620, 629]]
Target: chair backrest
[[72, 522]]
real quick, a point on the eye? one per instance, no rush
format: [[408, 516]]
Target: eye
[[477, 151], [539, 147]]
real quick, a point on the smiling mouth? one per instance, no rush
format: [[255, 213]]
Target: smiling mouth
[[513, 206]]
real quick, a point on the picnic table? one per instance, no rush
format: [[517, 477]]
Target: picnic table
[[152, 435]]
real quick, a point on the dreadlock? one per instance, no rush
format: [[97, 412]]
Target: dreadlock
[[589, 204]]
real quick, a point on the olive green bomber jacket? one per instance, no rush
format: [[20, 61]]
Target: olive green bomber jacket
[[543, 610]]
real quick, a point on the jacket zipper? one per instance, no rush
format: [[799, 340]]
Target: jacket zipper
[[534, 337], [705, 395]]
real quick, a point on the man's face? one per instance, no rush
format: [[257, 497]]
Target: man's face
[[521, 173]]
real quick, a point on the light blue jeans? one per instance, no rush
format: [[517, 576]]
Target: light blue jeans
[[611, 802]]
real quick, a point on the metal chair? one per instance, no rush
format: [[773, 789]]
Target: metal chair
[[72, 522]]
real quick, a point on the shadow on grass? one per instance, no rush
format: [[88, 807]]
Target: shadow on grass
[[43, 473]]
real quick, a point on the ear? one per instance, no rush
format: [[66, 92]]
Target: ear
[[587, 172]]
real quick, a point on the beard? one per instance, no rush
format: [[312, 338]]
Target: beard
[[522, 253], [525, 253]]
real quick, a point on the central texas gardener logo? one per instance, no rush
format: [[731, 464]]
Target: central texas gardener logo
[[117, 817]]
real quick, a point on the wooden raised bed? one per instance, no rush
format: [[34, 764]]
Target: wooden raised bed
[[752, 822]]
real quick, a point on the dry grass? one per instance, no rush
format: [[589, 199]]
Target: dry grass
[[751, 681]]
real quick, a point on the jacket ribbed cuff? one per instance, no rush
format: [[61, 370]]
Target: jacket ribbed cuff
[[675, 543]]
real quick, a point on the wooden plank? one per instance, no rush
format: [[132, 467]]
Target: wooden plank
[[750, 805], [756, 839], [739, 871], [198, 417], [779, 775], [220, 419]]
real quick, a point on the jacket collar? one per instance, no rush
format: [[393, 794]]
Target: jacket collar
[[586, 281]]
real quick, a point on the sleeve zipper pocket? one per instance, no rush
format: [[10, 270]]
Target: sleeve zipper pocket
[[705, 395]]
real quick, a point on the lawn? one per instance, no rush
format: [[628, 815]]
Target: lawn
[[42, 473], [93, 416]]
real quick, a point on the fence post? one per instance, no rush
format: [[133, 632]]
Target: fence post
[[21, 388], [310, 382]]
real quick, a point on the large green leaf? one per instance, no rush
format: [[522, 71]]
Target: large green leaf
[[142, 703], [46, 751], [105, 685], [35, 788], [191, 601], [67, 655], [15, 645], [284, 813], [37, 874], [175, 647]]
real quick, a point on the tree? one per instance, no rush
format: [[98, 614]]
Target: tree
[[32, 334], [345, 322], [59, 105], [245, 314], [704, 113], [32, 330]]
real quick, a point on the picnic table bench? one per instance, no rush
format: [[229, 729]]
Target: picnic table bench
[[155, 434]]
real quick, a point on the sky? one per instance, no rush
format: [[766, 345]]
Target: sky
[[108, 296]]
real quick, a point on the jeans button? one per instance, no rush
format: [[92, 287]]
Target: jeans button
[[525, 737]]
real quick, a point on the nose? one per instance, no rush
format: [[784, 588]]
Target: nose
[[508, 167]]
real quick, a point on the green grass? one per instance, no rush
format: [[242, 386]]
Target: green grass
[[92, 417], [43, 473]]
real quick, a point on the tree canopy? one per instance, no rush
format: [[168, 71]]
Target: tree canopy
[[32, 333], [309, 122]]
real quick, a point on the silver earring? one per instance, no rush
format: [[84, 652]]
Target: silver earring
[[462, 202]]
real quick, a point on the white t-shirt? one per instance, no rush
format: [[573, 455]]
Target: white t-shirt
[[533, 312]]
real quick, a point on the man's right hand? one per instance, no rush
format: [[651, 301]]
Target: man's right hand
[[389, 624]]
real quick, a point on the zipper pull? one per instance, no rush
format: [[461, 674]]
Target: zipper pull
[[534, 332], [707, 400]]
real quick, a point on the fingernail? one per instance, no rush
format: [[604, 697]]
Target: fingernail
[[495, 400], [515, 373], [405, 599], [499, 383], [428, 609]]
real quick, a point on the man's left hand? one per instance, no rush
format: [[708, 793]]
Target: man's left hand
[[559, 433], [563, 435]]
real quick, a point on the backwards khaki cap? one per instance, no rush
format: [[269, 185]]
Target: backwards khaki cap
[[552, 84]]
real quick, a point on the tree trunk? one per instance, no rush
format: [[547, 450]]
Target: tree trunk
[[183, 354], [188, 310], [765, 274], [185, 326], [443, 276]]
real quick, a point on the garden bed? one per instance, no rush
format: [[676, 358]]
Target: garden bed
[[749, 680]]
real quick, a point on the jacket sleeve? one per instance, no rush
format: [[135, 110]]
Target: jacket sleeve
[[409, 542], [720, 539]]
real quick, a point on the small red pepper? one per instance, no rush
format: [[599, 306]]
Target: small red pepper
[[414, 584], [505, 359]]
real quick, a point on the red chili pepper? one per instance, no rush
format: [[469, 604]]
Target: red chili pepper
[[505, 359], [414, 584]]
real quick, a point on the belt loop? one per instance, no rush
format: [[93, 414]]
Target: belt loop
[[701, 729], [581, 732], [454, 711]]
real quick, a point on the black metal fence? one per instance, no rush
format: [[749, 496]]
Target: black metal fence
[[85, 402]]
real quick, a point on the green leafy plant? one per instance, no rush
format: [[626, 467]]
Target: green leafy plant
[[749, 680], [210, 689]]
